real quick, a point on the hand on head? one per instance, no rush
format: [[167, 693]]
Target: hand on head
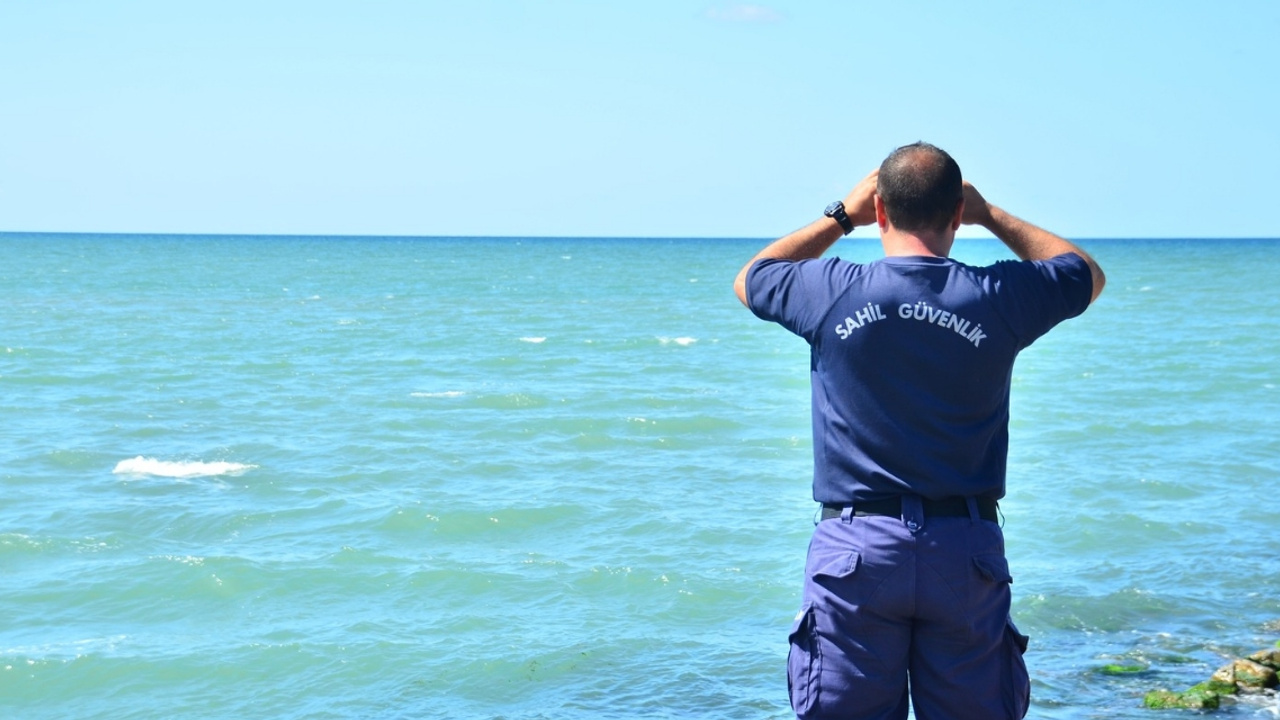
[[860, 204], [976, 210]]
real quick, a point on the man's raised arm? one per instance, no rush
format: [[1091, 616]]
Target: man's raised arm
[[1027, 241], [814, 239]]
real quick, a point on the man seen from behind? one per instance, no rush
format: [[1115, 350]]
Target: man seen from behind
[[906, 596]]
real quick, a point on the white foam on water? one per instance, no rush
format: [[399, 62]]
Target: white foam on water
[[534, 340], [682, 341], [166, 468], [192, 560], [66, 648], [446, 393]]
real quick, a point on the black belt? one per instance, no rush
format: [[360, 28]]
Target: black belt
[[892, 507]]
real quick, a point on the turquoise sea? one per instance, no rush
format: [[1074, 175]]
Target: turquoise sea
[[307, 477]]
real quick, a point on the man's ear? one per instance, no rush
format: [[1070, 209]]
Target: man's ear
[[882, 218], [955, 221]]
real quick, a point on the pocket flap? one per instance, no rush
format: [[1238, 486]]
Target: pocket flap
[[993, 567], [840, 566]]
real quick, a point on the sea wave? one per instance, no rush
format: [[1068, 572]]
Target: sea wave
[[177, 469]]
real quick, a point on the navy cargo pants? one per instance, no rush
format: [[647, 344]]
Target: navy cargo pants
[[891, 598]]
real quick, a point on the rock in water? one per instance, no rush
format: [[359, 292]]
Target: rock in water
[[1254, 674], [1199, 697], [1251, 676], [1270, 658]]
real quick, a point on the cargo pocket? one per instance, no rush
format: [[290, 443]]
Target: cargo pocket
[[804, 663], [1017, 682], [994, 568]]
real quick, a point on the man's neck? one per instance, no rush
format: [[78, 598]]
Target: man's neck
[[897, 243]]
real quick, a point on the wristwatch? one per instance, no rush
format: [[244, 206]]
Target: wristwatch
[[835, 211]]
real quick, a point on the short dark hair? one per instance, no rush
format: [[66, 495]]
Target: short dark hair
[[920, 186]]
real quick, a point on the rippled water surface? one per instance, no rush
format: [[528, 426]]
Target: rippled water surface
[[567, 478]]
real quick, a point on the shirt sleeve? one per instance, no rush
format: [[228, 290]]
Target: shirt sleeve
[[1043, 293], [796, 294]]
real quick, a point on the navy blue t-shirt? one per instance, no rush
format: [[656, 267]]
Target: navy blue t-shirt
[[911, 360]]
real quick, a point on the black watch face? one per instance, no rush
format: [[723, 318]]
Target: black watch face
[[832, 208]]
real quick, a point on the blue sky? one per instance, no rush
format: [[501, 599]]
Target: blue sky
[[658, 118]]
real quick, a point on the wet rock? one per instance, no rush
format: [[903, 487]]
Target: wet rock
[[1270, 658], [1255, 674], [1250, 676], [1118, 669], [1224, 678], [1198, 697]]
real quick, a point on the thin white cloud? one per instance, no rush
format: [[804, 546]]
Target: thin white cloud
[[743, 12]]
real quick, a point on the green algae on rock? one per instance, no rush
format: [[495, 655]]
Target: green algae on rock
[[1194, 698], [1246, 675], [1255, 674], [1118, 669]]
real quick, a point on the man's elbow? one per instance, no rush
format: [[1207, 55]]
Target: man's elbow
[[1099, 280], [740, 283], [740, 289]]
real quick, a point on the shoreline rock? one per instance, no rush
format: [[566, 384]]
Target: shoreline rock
[[1252, 675]]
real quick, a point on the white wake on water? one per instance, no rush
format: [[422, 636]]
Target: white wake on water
[[166, 468]]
